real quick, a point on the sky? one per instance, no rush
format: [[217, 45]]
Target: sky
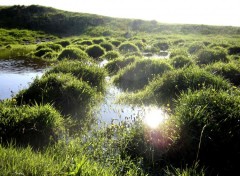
[[211, 12]]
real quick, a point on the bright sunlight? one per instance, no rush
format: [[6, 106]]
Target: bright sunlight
[[154, 117], [210, 12]]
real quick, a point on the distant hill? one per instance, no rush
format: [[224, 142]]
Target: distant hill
[[63, 23]]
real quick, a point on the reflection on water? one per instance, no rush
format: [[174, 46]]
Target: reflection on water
[[16, 75], [111, 112]]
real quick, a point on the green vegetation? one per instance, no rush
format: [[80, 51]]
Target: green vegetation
[[24, 125], [117, 64], [230, 71], [111, 55], [207, 56], [91, 74], [128, 47], [53, 126], [68, 94], [208, 129], [138, 74], [165, 89], [95, 51], [73, 53]]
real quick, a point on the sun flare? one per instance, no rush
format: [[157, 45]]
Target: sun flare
[[154, 117]]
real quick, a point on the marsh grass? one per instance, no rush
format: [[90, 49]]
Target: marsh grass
[[127, 47], [117, 64], [181, 61], [68, 94], [37, 125], [95, 51], [230, 71], [110, 55], [92, 74], [208, 129], [17, 51], [165, 89], [208, 56], [138, 74], [73, 53]]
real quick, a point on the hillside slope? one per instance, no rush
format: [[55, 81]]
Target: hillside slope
[[64, 23]]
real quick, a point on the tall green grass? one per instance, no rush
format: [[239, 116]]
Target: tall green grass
[[165, 89], [17, 51], [230, 71], [29, 125], [68, 94], [138, 74], [208, 124], [92, 74]]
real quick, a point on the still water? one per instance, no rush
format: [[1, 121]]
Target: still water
[[16, 75]]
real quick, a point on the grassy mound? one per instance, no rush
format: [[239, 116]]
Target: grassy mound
[[25, 125], [230, 71], [73, 53], [128, 47], [208, 122], [164, 90], [181, 61], [107, 46], [111, 55], [91, 74], [95, 51], [68, 94], [115, 65], [207, 56], [138, 74]]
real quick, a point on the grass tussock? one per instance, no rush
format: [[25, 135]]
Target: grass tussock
[[92, 74], [165, 89], [138, 74], [117, 64], [73, 53], [230, 71], [208, 123], [68, 94], [29, 125]]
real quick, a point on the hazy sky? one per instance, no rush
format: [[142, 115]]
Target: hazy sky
[[215, 12]]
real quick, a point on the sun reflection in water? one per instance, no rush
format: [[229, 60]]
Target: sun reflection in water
[[154, 117]]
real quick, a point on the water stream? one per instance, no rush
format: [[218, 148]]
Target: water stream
[[16, 75]]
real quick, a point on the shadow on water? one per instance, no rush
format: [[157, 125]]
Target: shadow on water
[[17, 74]]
